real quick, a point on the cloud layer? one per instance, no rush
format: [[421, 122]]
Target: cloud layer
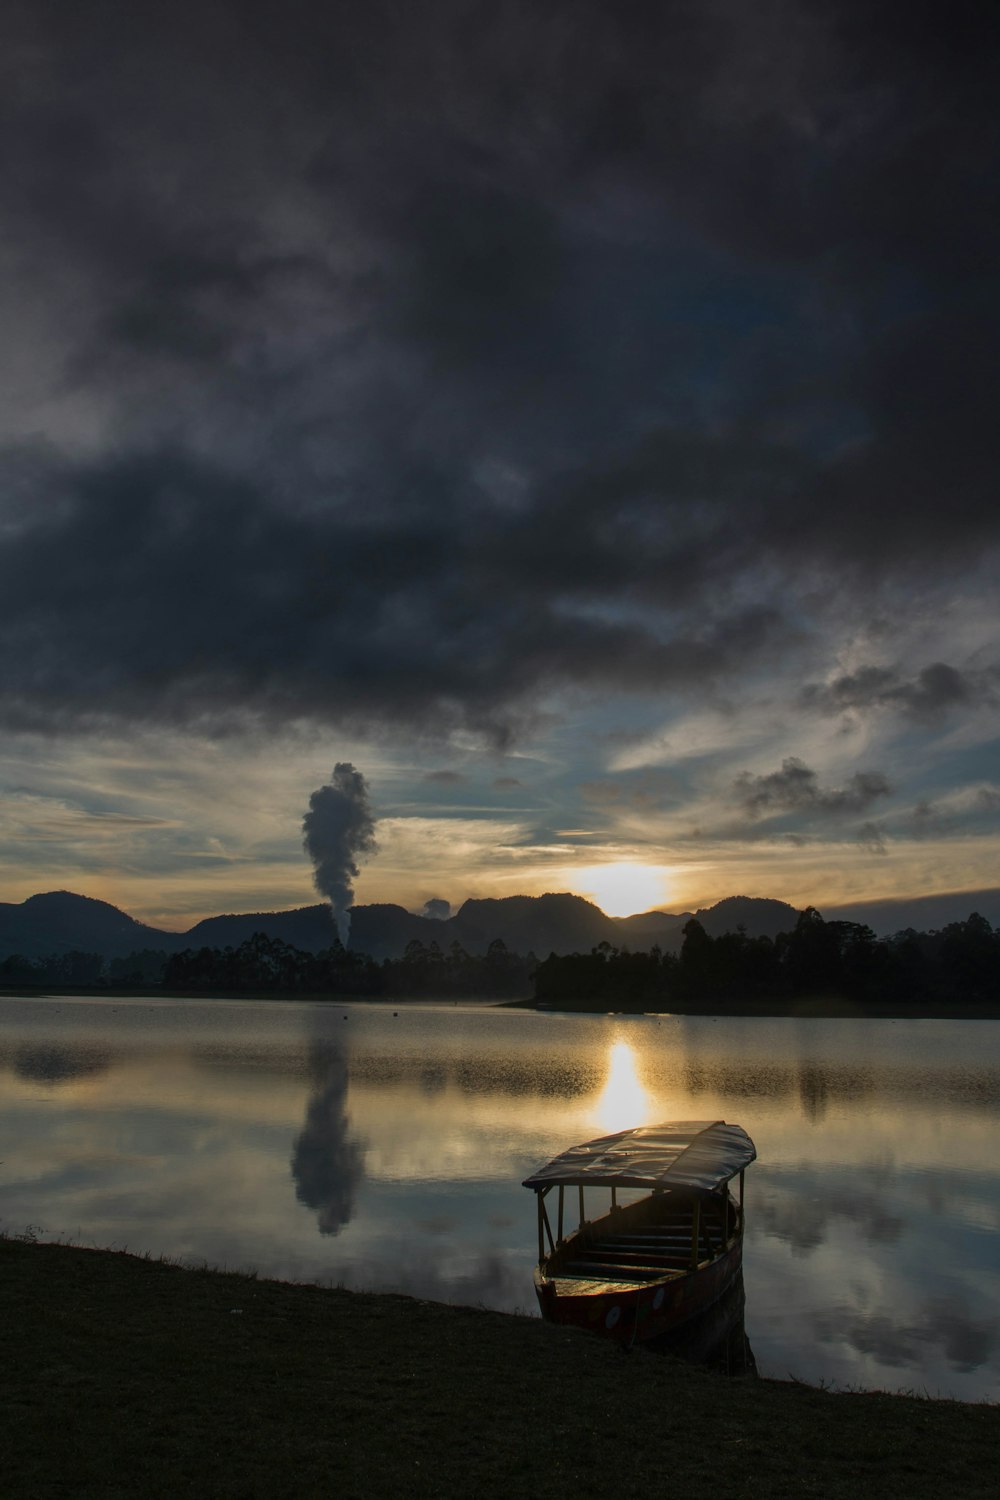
[[408, 367], [448, 373]]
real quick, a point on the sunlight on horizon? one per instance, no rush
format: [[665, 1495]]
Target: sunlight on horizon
[[623, 1101], [623, 889]]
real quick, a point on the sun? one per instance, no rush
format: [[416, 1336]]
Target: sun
[[623, 889]]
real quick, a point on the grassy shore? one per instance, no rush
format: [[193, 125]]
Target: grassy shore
[[121, 1376]]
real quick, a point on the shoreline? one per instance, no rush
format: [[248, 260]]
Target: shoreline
[[163, 1380], [817, 1007]]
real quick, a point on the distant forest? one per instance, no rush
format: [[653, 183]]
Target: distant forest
[[267, 964], [956, 966]]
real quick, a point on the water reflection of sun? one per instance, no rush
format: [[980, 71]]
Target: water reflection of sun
[[623, 1101]]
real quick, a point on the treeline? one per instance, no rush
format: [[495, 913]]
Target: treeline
[[913, 971], [268, 964], [64, 970], [959, 964]]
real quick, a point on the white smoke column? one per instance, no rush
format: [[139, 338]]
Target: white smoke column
[[337, 829]]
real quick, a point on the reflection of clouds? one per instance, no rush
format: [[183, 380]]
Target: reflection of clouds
[[738, 1080], [821, 1084], [816, 1083], [967, 1340], [52, 1064], [438, 1224], [804, 1220], [484, 1278], [550, 1074], [327, 1163]]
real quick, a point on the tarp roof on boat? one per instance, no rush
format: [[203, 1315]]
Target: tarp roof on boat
[[695, 1155]]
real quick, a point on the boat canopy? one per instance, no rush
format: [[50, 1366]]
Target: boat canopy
[[698, 1156]]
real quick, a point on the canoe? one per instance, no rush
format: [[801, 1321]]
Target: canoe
[[669, 1245]]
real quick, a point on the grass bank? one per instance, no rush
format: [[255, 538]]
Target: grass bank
[[121, 1376]]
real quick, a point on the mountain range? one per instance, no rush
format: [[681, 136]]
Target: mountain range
[[60, 921]]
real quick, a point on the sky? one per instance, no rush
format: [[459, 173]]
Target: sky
[[579, 418]]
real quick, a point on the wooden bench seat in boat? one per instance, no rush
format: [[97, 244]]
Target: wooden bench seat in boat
[[609, 1271]]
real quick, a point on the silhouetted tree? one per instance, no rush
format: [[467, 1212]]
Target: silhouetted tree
[[970, 953], [144, 967]]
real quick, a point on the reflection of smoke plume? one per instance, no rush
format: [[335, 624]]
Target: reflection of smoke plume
[[337, 828], [327, 1164], [48, 1064]]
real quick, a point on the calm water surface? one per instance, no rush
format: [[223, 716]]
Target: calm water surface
[[352, 1145]]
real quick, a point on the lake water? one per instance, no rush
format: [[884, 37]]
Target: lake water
[[350, 1144]]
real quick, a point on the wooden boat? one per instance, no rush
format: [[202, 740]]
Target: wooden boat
[[647, 1265]]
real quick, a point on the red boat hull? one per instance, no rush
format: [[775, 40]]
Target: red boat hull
[[632, 1314]]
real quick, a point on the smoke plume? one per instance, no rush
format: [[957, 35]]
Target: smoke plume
[[337, 829]]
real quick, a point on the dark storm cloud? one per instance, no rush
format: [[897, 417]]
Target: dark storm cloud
[[190, 595], [872, 838], [432, 361], [796, 788], [926, 698]]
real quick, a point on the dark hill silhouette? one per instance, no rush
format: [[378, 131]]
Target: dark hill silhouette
[[758, 915], [532, 924], [652, 929], [310, 928], [383, 930], [61, 922]]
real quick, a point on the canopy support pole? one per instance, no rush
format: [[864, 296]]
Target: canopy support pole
[[695, 1232], [544, 1227]]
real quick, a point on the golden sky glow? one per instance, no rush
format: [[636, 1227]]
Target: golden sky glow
[[120, 824]]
